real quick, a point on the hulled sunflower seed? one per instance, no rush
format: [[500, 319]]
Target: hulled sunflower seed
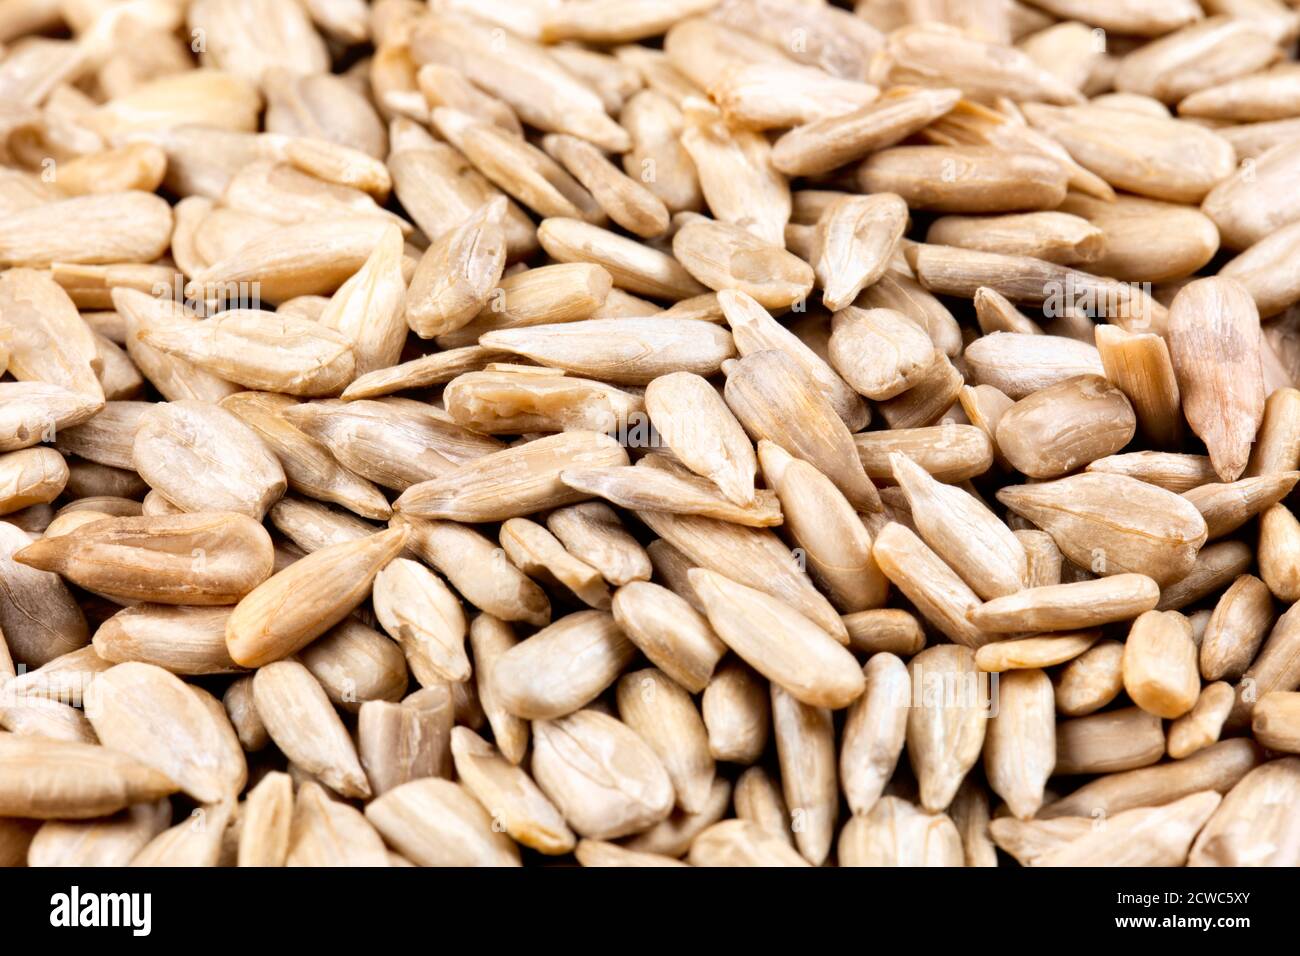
[[304, 725], [292, 608], [207, 558], [779, 642]]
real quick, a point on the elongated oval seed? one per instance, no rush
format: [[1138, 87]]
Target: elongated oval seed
[[947, 723], [660, 489], [173, 452], [210, 558], [704, 435], [1214, 342], [662, 712], [754, 329], [1064, 607], [33, 476], [457, 273], [1160, 673], [755, 557], [950, 453], [1020, 746], [737, 713], [183, 640], [509, 794], [605, 778], [292, 608], [963, 532], [1092, 680], [112, 841], [263, 350], [769, 392], [327, 832], [1060, 428], [805, 746], [304, 725], [1201, 726], [1253, 825], [1217, 767], [1114, 524], [965, 179], [1240, 621], [725, 256], [425, 617], [512, 482], [562, 667], [943, 598], [1227, 506], [672, 634], [438, 823], [880, 352], [200, 752], [55, 779], [1019, 364], [33, 412], [478, 569], [779, 642], [874, 732], [308, 466], [855, 239], [823, 524], [1109, 742]]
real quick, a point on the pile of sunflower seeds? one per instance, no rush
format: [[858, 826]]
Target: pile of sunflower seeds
[[713, 432]]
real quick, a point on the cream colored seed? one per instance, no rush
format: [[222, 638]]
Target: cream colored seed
[[356, 664], [947, 723], [536, 679], [833, 539], [304, 725], [753, 557], [779, 642], [1253, 825], [663, 713], [721, 255], [1227, 506], [754, 329], [963, 532], [1063, 607], [293, 607], [1072, 423], [1092, 680], [509, 794], [737, 714], [1200, 727], [1218, 767], [874, 732], [1160, 672], [423, 615], [658, 489], [208, 558], [672, 634], [603, 777], [942, 597], [327, 832], [1114, 524]]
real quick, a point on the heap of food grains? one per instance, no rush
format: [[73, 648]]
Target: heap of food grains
[[712, 432]]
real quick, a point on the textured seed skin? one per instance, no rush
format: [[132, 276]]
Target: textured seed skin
[[1114, 524], [174, 451], [290, 609], [209, 558], [440, 417], [946, 727], [603, 777]]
